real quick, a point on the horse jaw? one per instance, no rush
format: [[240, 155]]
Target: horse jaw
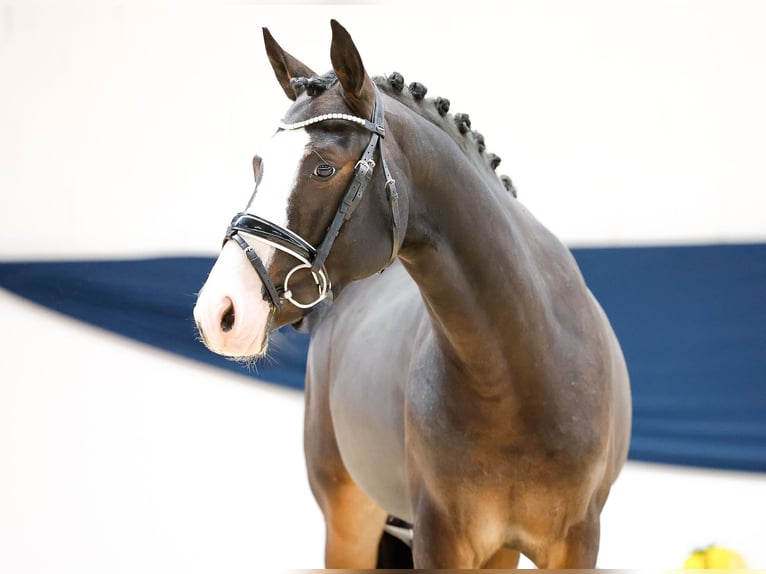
[[231, 314]]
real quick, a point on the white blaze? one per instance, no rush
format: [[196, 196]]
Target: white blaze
[[233, 283], [280, 161]]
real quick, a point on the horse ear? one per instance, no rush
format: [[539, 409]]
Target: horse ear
[[285, 66], [348, 66]]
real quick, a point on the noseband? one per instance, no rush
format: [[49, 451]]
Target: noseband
[[283, 239]]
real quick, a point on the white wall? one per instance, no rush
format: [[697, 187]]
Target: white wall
[[631, 121], [126, 129]]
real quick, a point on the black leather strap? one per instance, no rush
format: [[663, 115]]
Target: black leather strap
[[354, 193], [257, 264], [273, 233], [362, 176], [393, 202]]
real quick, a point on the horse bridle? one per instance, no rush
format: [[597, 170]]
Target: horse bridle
[[293, 244]]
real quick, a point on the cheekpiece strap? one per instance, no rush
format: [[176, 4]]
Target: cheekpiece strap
[[255, 261]]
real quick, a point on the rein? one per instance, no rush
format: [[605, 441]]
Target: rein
[[285, 240]]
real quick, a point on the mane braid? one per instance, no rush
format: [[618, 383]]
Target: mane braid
[[315, 85], [436, 110]]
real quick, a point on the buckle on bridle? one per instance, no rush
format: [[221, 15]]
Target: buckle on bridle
[[362, 176]]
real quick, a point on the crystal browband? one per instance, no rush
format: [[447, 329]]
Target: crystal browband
[[337, 116]]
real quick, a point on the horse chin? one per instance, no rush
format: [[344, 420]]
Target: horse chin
[[247, 349], [244, 344], [249, 353]]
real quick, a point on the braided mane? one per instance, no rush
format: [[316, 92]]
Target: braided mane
[[435, 110]]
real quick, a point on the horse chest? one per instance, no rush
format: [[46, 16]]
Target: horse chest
[[367, 416]]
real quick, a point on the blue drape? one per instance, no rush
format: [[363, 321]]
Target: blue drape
[[150, 300], [691, 320]]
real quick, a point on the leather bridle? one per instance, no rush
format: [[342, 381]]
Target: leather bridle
[[285, 240]]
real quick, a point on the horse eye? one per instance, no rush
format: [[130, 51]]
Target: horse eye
[[324, 170]]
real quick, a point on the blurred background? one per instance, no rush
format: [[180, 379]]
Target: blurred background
[[634, 130]]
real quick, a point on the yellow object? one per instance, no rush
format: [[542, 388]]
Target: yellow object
[[715, 558]]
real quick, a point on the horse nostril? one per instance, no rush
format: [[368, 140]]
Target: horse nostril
[[227, 319]]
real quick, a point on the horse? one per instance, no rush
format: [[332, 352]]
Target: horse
[[475, 389]]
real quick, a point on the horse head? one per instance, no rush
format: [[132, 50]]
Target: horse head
[[325, 210]]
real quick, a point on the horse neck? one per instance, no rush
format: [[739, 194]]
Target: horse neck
[[472, 250]]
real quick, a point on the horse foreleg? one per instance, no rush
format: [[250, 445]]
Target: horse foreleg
[[354, 523], [503, 559], [354, 527], [442, 540], [579, 549]]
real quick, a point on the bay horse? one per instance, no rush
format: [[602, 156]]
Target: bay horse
[[474, 390]]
